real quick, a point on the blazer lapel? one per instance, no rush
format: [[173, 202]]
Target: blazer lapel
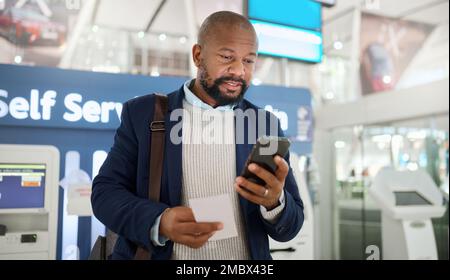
[[242, 152]]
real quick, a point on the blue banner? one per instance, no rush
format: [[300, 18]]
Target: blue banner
[[50, 97]]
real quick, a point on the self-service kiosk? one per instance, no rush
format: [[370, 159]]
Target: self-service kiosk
[[302, 246], [408, 200], [28, 201]]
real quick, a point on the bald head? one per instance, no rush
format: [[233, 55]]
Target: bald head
[[223, 20], [225, 56]]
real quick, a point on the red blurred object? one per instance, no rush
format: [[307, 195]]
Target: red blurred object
[[379, 84], [28, 27]]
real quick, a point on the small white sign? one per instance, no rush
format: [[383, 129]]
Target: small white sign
[[79, 200], [78, 188]]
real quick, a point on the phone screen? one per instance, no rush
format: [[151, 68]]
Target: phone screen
[[263, 153]]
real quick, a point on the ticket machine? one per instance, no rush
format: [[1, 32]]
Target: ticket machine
[[28, 201], [408, 200]]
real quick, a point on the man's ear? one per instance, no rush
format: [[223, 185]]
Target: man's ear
[[196, 53]]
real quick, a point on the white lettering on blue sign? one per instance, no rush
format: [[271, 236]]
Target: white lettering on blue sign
[[20, 108], [91, 111], [281, 115], [3, 105], [40, 108], [70, 102]]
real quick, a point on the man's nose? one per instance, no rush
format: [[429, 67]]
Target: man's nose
[[237, 69]]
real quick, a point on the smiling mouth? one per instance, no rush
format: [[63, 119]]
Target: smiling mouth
[[232, 86]]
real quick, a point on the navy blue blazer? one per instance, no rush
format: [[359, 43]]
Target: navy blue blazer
[[120, 190]]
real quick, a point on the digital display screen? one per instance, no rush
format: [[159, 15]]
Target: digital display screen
[[284, 41], [410, 198], [305, 14], [22, 186], [291, 30]]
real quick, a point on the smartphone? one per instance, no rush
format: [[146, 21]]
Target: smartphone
[[263, 155]]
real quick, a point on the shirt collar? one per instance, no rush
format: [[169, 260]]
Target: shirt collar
[[192, 99]]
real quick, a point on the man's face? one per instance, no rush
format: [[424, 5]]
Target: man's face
[[226, 64]]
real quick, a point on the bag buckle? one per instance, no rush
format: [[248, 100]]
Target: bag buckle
[[156, 126]]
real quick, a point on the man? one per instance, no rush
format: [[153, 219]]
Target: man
[[225, 56]]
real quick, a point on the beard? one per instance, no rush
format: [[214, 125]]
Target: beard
[[214, 91]]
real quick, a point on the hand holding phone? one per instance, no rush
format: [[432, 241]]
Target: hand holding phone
[[262, 179]]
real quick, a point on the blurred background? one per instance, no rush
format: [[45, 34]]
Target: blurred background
[[360, 85]]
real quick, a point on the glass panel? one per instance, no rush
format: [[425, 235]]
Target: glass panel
[[360, 153]]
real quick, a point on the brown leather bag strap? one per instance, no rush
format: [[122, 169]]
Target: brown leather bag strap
[[156, 159], [157, 147]]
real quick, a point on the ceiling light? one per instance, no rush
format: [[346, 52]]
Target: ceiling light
[[183, 40], [329, 95], [162, 37], [339, 144], [18, 59], [338, 45]]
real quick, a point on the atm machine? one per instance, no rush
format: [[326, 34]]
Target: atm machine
[[28, 201], [302, 246], [408, 200]]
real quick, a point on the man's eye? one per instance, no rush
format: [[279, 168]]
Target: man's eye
[[226, 57], [249, 61]]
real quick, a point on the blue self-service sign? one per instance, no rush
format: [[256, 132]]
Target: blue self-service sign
[[35, 96]]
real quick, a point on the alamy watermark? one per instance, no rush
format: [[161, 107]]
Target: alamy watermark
[[217, 126], [373, 252]]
